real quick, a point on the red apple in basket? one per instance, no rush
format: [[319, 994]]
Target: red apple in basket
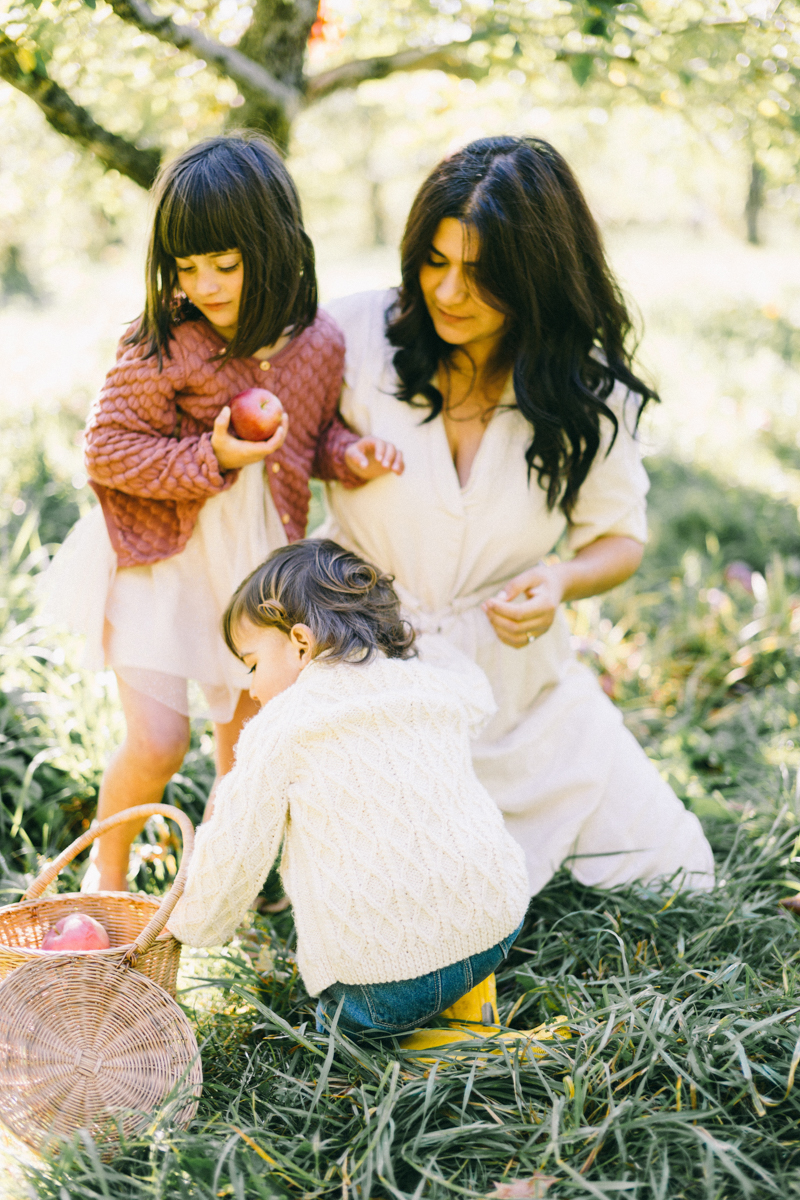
[[76, 932], [255, 414]]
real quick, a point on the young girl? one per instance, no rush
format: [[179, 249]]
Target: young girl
[[407, 890], [184, 513]]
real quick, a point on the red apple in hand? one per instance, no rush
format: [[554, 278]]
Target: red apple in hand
[[76, 932], [255, 414]]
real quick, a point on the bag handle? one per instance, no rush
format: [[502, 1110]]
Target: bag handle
[[159, 919]]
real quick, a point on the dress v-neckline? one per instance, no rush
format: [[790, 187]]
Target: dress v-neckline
[[463, 488], [503, 403]]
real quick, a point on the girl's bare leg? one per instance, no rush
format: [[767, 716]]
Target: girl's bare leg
[[225, 738], [156, 742]]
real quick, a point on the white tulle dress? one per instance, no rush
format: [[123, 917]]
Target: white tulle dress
[[158, 626], [572, 782]]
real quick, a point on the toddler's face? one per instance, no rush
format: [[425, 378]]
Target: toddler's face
[[275, 658]]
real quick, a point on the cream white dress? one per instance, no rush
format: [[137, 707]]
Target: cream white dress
[[573, 784], [158, 626]]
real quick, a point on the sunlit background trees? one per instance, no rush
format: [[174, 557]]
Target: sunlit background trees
[[382, 89]]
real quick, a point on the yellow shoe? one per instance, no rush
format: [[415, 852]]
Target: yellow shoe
[[478, 1006], [430, 1039], [474, 1018]]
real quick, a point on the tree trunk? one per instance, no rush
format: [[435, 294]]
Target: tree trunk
[[755, 202], [276, 38], [379, 233]]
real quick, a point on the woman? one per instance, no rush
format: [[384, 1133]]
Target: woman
[[500, 368]]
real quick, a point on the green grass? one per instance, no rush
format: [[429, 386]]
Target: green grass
[[678, 1080], [679, 1077]]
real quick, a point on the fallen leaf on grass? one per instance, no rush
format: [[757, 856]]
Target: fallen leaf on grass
[[534, 1188]]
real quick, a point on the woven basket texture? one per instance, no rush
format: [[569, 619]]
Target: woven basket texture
[[134, 922], [89, 1045], [88, 1038], [124, 915]]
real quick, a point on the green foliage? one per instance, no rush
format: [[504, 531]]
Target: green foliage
[[732, 72], [689, 505], [750, 328]]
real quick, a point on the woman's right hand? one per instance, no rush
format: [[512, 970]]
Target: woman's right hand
[[232, 453]]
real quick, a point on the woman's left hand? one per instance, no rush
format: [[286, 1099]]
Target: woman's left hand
[[600, 565], [371, 457], [517, 622]]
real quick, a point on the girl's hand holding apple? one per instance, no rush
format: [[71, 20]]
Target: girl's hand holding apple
[[255, 414], [232, 452]]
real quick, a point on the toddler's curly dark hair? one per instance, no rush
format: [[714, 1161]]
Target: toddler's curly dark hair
[[350, 607]]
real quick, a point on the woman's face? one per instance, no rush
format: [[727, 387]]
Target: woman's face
[[459, 315], [213, 283]]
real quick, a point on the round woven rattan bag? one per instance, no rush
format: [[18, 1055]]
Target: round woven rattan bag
[[85, 1044]]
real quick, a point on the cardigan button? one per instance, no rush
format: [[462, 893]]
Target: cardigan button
[[285, 518], [265, 365], [275, 468]]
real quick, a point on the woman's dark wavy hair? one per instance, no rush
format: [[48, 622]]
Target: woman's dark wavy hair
[[541, 262], [229, 193], [349, 606]]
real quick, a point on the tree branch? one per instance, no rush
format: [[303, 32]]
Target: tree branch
[[75, 122], [350, 74], [225, 59]]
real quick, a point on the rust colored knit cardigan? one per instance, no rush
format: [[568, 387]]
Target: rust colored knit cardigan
[[148, 438]]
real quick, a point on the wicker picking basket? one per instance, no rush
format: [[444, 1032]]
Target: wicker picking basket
[[134, 921], [91, 1039]]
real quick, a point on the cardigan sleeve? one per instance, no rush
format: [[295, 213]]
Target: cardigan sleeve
[[131, 443], [235, 849]]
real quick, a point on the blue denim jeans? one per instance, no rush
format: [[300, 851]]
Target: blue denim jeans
[[384, 1009]]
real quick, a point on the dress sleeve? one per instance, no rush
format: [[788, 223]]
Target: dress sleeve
[[131, 443], [329, 461], [236, 848], [362, 317], [612, 498]]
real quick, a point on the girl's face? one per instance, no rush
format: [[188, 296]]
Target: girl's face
[[460, 317], [275, 658], [213, 283]]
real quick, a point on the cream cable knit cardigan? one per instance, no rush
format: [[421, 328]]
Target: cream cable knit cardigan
[[396, 859]]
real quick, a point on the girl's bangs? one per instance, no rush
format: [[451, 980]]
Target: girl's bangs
[[195, 218]]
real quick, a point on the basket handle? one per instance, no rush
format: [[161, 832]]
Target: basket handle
[[159, 919]]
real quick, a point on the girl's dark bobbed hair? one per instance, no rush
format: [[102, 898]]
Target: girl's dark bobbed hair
[[350, 607], [230, 193], [539, 260]]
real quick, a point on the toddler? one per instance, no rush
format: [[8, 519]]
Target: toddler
[[407, 889]]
